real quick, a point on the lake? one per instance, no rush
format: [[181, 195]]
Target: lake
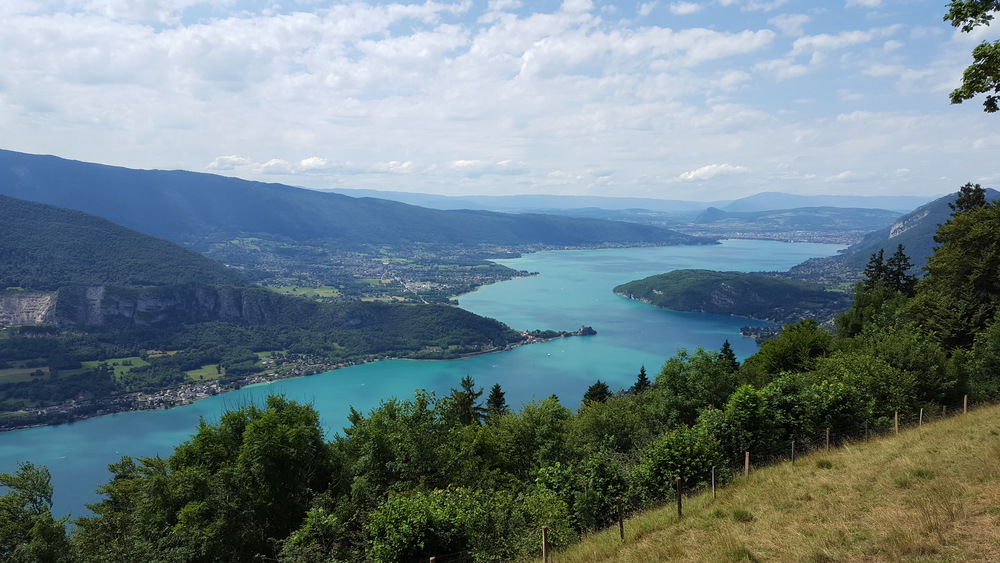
[[573, 288]]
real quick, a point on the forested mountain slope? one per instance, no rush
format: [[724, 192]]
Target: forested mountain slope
[[44, 247], [191, 208], [915, 231]]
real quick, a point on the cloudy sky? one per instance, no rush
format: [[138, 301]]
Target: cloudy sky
[[698, 100]]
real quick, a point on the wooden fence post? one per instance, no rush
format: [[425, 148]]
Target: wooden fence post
[[545, 544], [965, 405], [621, 521], [713, 481], [920, 421], [746, 465], [827, 437], [793, 452], [897, 422], [678, 486]]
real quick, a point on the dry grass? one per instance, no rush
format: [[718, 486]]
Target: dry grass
[[929, 494]]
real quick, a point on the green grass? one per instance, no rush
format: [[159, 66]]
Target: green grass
[[322, 291], [120, 366], [205, 373], [929, 494]]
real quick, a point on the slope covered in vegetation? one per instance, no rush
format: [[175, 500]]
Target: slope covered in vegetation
[[761, 297], [45, 247]]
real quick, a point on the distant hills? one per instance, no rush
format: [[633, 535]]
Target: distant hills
[[765, 201], [915, 231], [45, 247], [195, 209]]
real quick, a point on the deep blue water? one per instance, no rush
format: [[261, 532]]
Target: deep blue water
[[573, 289]]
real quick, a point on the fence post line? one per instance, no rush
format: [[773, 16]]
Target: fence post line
[[827, 437], [965, 405], [746, 465], [793, 452], [545, 544], [621, 521], [678, 486], [713, 481], [897, 422], [920, 422], [944, 411]]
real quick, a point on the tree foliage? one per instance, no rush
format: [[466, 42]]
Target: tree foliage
[[983, 75]]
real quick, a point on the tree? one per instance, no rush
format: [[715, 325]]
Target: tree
[[28, 532], [465, 406], [874, 272], [599, 392], [970, 196], [728, 358], [983, 75], [496, 403], [642, 382], [897, 274], [960, 295]]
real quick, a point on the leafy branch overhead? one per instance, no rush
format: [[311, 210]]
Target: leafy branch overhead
[[983, 75]]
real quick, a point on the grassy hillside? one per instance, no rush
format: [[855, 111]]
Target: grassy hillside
[[930, 494], [45, 247]]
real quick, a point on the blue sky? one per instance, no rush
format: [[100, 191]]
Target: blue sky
[[696, 100]]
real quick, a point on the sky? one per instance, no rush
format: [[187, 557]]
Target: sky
[[693, 100]]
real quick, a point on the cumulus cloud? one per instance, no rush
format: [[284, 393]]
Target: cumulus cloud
[[646, 8], [230, 162], [711, 171], [684, 8], [790, 24]]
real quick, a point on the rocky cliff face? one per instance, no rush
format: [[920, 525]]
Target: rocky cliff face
[[149, 307], [26, 308]]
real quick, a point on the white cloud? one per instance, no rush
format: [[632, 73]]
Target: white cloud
[[646, 8], [711, 171], [684, 8], [575, 6], [230, 162], [500, 5], [790, 24], [863, 3]]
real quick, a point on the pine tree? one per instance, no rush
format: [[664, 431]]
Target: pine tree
[[896, 275], [969, 197], [496, 403], [467, 409], [728, 358], [599, 392], [641, 382], [875, 270]]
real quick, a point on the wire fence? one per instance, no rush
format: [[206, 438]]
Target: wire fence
[[772, 453]]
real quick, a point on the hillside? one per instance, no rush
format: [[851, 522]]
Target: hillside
[[194, 208], [44, 247], [929, 494], [767, 298], [915, 231]]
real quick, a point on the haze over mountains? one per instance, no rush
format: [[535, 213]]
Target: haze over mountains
[[195, 209]]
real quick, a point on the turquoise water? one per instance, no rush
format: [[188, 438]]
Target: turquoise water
[[573, 289]]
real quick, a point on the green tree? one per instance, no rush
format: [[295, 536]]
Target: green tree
[[28, 532], [642, 382], [728, 358], [685, 452], [960, 294], [897, 274], [496, 402], [599, 392], [983, 75], [970, 196], [231, 493], [796, 349], [464, 403], [874, 272], [689, 382]]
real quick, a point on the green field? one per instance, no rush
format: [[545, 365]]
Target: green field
[[206, 373], [321, 291]]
